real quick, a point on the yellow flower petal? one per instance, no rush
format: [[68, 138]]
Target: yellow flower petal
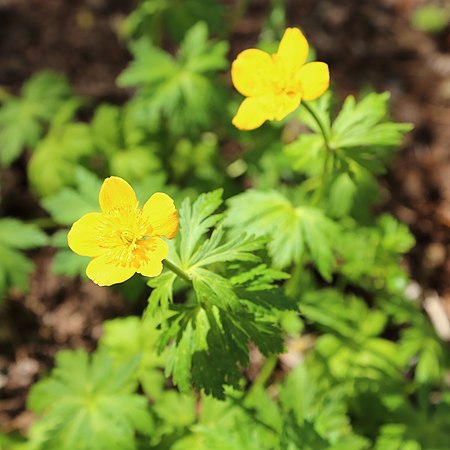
[[155, 250], [162, 215], [254, 111], [286, 104], [252, 114], [293, 50], [252, 72], [314, 79], [102, 271], [116, 193], [83, 237]]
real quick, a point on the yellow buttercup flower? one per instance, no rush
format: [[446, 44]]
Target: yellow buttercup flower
[[123, 239], [276, 84]]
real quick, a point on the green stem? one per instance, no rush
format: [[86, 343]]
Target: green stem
[[265, 373], [328, 154], [177, 270], [319, 123]]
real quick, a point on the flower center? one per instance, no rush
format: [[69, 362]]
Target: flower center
[[122, 233], [127, 236], [284, 82]]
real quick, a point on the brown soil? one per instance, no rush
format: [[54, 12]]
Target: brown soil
[[365, 44]]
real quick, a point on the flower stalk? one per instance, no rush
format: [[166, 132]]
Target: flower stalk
[[177, 270], [328, 152]]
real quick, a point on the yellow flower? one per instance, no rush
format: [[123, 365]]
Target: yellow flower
[[123, 239], [275, 84]]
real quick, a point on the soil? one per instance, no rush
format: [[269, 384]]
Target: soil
[[364, 43]]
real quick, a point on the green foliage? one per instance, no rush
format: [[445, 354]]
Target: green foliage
[[419, 343], [360, 140], [370, 256], [130, 338], [52, 165], [199, 159], [233, 424], [315, 415], [430, 18], [212, 331], [296, 232], [180, 89], [87, 403], [351, 348], [127, 149], [22, 119], [416, 428], [152, 17], [82, 199], [16, 236], [297, 263], [363, 125]]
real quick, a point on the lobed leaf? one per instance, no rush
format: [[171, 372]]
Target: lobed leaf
[[292, 230], [22, 119], [87, 403]]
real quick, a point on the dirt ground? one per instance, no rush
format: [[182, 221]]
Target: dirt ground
[[365, 44]]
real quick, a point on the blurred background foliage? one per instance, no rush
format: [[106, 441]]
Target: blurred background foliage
[[280, 261]]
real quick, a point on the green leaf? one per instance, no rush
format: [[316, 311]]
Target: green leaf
[[321, 107], [22, 119], [200, 56], [223, 314], [135, 164], [233, 424], [118, 134], [19, 235], [15, 270], [213, 250], [18, 129], [69, 204], [421, 342], [52, 165], [359, 124], [292, 230], [360, 138], [181, 89], [195, 221], [430, 18], [176, 410], [87, 403], [314, 417], [153, 17], [350, 314], [162, 293], [106, 129], [130, 338], [307, 153], [370, 256], [212, 343], [147, 55], [16, 267], [212, 288]]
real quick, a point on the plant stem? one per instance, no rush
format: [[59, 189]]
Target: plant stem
[[319, 122], [177, 270], [328, 152], [265, 373]]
